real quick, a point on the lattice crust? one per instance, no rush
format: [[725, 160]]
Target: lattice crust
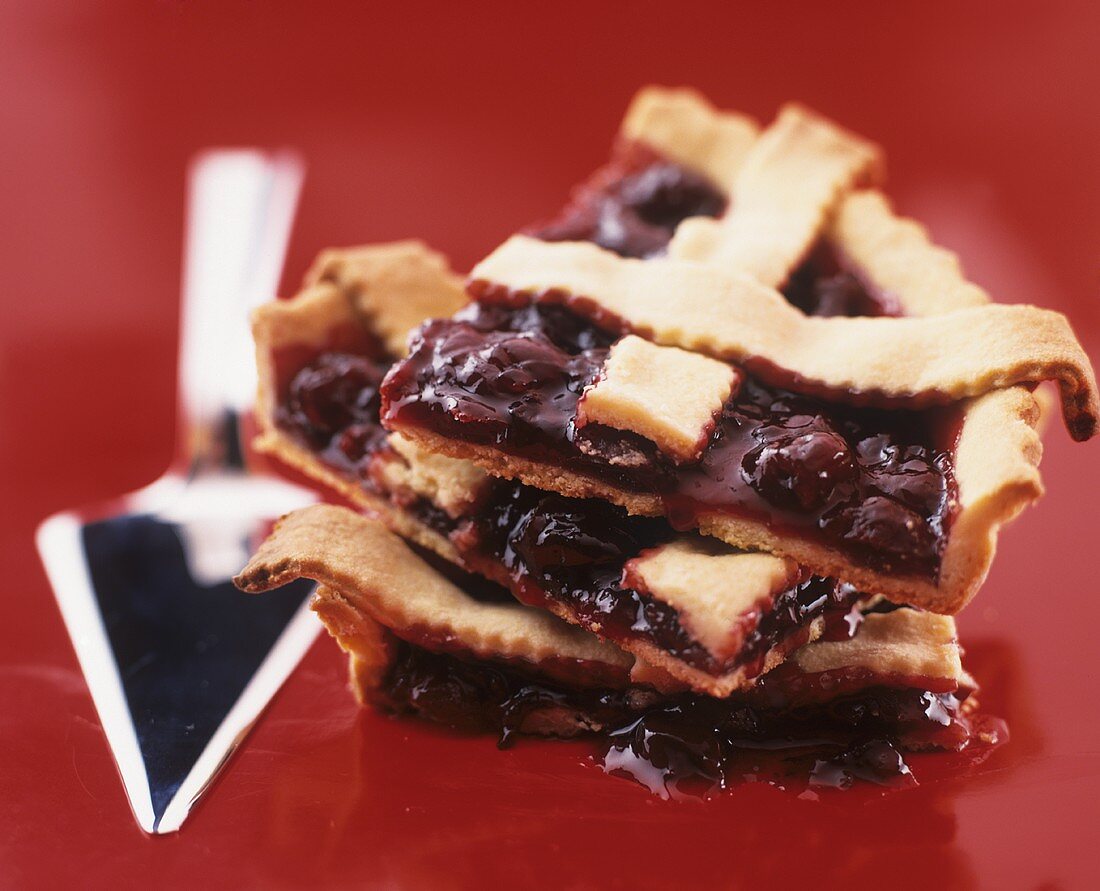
[[684, 127], [456, 486], [892, 361], [789, 182], [395, 286], [667, 395], [716, 590], [996, 459], [902, 643], [375, 574]]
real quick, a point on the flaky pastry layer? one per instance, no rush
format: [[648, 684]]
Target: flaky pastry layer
[[783, 192], [889, 361], [375, 572], [684, 127]]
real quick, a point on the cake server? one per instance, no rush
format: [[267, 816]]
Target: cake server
[[178, 662]]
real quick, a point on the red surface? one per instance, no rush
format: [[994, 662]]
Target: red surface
[[460, 127]]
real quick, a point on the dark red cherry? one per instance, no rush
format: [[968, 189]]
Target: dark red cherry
[[907, 473], [335, 390], [558, 532], [882, 526], [800, 468], [622, 230], [358, 440], [666, 194]]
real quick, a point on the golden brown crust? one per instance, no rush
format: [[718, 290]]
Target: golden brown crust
[[902, 643], [896, 256], [702, 307], [713, 588], [375, 572], [540, 475], [684, 127], [665, 394], [370, 654], [394, 286], [789, 182], [453, 485]]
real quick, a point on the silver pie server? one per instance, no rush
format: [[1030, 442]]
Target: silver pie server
[[178, 662]]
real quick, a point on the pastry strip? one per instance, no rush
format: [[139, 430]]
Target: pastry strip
[[786, 186], [684, 127], [713, 587], [378, 575], [902, 643], [372, 275], [667, 395], [903, 362]]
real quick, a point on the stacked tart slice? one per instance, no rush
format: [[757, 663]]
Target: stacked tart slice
[[701, 465]]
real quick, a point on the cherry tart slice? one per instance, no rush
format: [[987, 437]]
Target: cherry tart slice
[[710, 615]]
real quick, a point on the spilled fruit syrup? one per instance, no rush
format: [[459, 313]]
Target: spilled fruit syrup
[[688, 746]]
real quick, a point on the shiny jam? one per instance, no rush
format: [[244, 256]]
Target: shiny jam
[[573, 551], [554, 550], [877, 485], [824, 284], [691, 746], [633, 204]]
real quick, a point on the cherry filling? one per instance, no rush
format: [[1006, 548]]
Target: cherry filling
[[633, 204], [555, 550], [329, 401], [824, 284], [874, 484], [332, 403], [688, 744], [572, 552]]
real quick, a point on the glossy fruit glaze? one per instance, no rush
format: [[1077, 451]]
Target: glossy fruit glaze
[[570, 555], [684, 745], [826, 284], [633, 204], [875, 484], [554, 551]]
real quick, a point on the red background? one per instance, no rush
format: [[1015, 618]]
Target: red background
[[458, 126]]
